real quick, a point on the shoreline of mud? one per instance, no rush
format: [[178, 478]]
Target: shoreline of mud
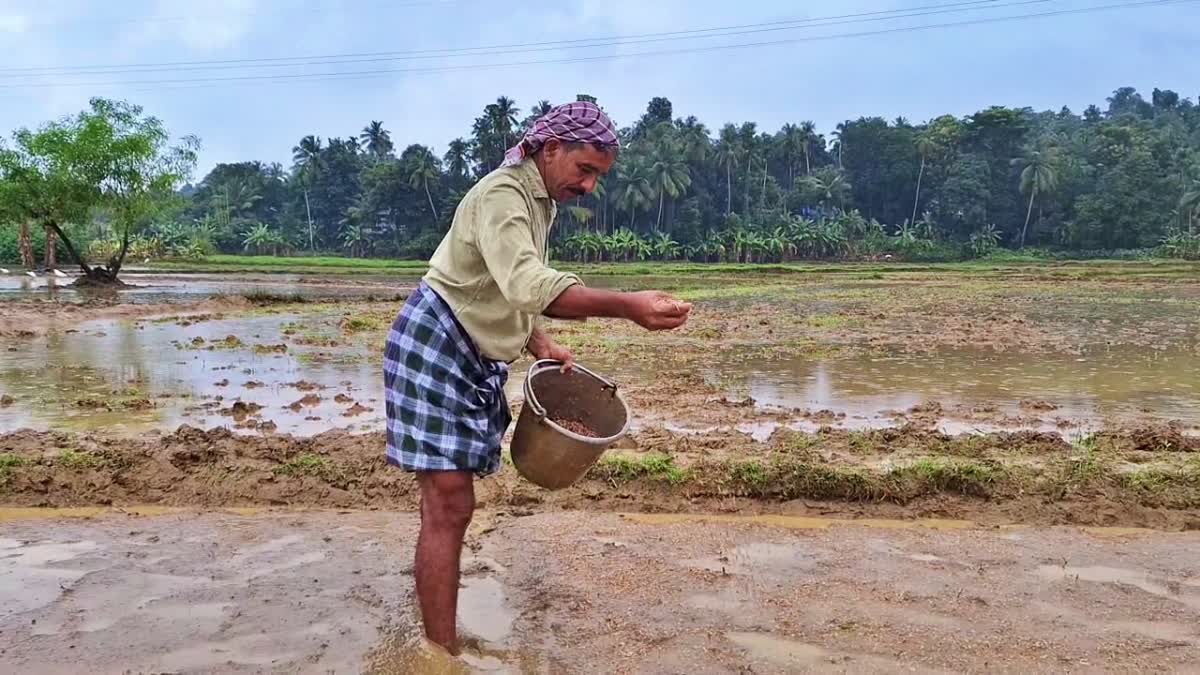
[[1002, 478]]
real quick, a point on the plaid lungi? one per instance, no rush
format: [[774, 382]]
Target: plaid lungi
[[446, 409]]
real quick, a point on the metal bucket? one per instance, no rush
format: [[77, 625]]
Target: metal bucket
[[549, 455]]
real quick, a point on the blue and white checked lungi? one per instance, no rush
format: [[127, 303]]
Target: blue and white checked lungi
[[446, 409]]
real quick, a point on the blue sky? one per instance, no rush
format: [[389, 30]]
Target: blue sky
[[1045, 63]]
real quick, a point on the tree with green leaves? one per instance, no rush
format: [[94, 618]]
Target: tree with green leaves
[[111, 157], [457, 158], [729, 153], [1039, 176], [422, 166], [377, 140]]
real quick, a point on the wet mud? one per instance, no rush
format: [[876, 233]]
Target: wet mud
[[321, 591]]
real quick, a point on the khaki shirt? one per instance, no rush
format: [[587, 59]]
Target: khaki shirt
[[491, 267]]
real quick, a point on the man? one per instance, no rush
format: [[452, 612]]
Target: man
[[475, 311]]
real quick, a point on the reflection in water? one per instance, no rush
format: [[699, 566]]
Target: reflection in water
[[1103, 385], [147, 288], [165, 374], [156, 375]]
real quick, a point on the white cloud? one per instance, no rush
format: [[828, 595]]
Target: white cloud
[[13, 23], [218, 24]]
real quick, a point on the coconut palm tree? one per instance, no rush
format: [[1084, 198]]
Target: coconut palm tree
[[1189, 204], [457, 158], [693, 136], [306, 156], [422, 166], [669, 174], [503, 115], [1039, 176], [926, 146], [240, 196], [377, 140], [791, 144], [729, 152], [635, 192]]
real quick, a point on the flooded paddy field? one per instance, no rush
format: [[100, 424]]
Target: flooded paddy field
[[1047, 397]]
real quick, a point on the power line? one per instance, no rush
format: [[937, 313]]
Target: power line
[[553, 44], [366, 74]]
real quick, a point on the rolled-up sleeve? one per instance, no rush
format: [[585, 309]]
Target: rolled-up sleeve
[[504, 237]]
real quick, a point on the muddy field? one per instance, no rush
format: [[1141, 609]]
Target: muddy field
[[1024, 394], [1030, 396], [325, 592]]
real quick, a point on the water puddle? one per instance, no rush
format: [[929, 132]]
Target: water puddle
[[157, 287], [33, 574], [483, 612], [978, 390], [757, 557], [1162, 588], [244, 373], [296, 373]]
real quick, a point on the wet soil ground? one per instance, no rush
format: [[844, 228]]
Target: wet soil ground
[[321, 592], [1029, 402]]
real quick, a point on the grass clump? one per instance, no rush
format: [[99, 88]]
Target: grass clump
[[8, 462], [623, 469], [928, 475], [75, 460], [316, 466], [358, 324], [263, 297]]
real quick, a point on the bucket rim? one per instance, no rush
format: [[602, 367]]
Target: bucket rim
[[544, 365]]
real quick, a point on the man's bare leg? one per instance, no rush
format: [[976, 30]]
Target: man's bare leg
[[447, 501]]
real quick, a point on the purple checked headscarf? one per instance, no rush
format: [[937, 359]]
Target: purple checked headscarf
[[578, 122]]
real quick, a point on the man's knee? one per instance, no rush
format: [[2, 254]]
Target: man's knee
[[447, 499]]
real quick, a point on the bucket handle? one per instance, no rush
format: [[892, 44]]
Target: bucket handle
[[531, 399]]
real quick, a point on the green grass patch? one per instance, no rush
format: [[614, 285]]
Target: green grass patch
[[8, 462], [317, 466], [75, 460], [618, 469], [936, 474], [358, 324], [826, 321]]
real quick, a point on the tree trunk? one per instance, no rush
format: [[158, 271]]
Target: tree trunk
[[728, 188], [748, 172], [25, 243], [430, 198], [70, 249], [658, 223], [1028, 214], [51, 253], [632, 215], [807, 163], [308, 210], [763, 205], [917, 198]]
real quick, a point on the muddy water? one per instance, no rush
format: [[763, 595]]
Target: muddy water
[[165, 374], [979, 390], [146, 287]]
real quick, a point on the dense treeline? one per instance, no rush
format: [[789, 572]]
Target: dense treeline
[[1122, 177]]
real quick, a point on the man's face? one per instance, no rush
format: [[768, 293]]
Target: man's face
[[573, 172]]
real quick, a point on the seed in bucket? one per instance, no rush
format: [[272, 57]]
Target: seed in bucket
[[577, 427]]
